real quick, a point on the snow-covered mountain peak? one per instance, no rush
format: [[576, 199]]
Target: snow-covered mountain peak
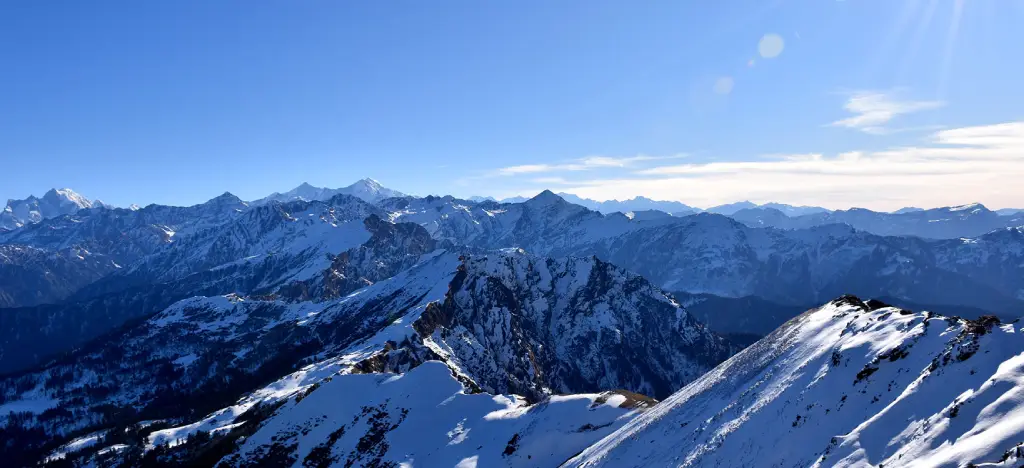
[[31, 210], [370, 190], [227, 198], [67, 196], [545, 199], [369, 183], [969, 207], [304, 192], [101, 204], [425, 417]]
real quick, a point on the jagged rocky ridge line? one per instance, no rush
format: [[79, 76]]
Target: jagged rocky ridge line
[[525, 325]]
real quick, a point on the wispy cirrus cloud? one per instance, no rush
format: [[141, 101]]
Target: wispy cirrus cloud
[[550, 181], [948, 167], [582, 164], [874, 110]]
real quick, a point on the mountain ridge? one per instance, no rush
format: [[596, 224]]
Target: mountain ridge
[[850, 383], [367, 189]]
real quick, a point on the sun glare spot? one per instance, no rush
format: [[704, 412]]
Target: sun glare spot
[[724, 85], [771, 46]]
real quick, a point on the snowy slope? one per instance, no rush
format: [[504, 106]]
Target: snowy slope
[[848, 384], [426, 418]]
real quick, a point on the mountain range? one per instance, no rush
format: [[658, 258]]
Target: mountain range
[[673, 207], [363, 327], [938, 223], [129, 263]]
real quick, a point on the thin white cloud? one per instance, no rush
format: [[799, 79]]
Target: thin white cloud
[[582, 164], [550, 181], [873, 110], [951, 167], [525, 169]]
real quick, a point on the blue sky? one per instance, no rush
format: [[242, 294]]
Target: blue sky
[[874, 103]]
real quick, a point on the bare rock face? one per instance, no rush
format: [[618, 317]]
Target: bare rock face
[[516, 323]]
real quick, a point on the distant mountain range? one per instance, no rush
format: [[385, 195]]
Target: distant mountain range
[[366, 189], [59, 202], [63, 226], [730, 209], [673, 207], [937, 223], [625, 206]]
